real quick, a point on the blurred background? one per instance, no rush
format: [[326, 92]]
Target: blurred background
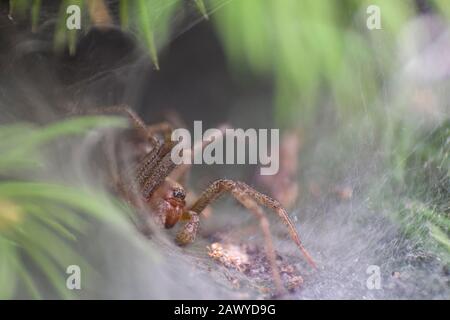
[[363, 114]]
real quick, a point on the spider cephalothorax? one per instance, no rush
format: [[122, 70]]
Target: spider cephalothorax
[[168, 202]]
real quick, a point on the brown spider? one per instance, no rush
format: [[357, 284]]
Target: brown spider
[[156, 189]]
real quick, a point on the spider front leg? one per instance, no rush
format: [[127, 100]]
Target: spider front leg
[[188, 233], [251, 199], [242, 192]]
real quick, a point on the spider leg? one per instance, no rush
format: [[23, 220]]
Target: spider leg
[[180, 172], [147, 177], [150, 161], [157, 166], [218, 187], [148, 132], [156, 159], [187, 234], [112, 164], [254, 208], [189, 231]]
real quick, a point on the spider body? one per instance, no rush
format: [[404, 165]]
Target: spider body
[[154, 186]]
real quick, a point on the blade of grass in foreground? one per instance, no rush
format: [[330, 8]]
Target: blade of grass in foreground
[[97, 205], [8, 274], [202, 8], [20, 141], [146, 27]]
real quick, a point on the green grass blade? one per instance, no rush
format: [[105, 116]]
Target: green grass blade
[[145, 25], [202, 8], [49, 269], [97, 205], [35, 10], [8, 273], [440, 236], [124, 13], [28, 281]]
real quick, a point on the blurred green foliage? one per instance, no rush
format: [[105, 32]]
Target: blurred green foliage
[[307, 47], [150, 19], [316, 51], [430, 163], [41, 220], [428, 179]]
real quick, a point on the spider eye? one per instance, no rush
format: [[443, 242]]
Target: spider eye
[[179, 193]]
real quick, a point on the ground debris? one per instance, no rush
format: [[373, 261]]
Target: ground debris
[[230, 255], [251, 262]]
